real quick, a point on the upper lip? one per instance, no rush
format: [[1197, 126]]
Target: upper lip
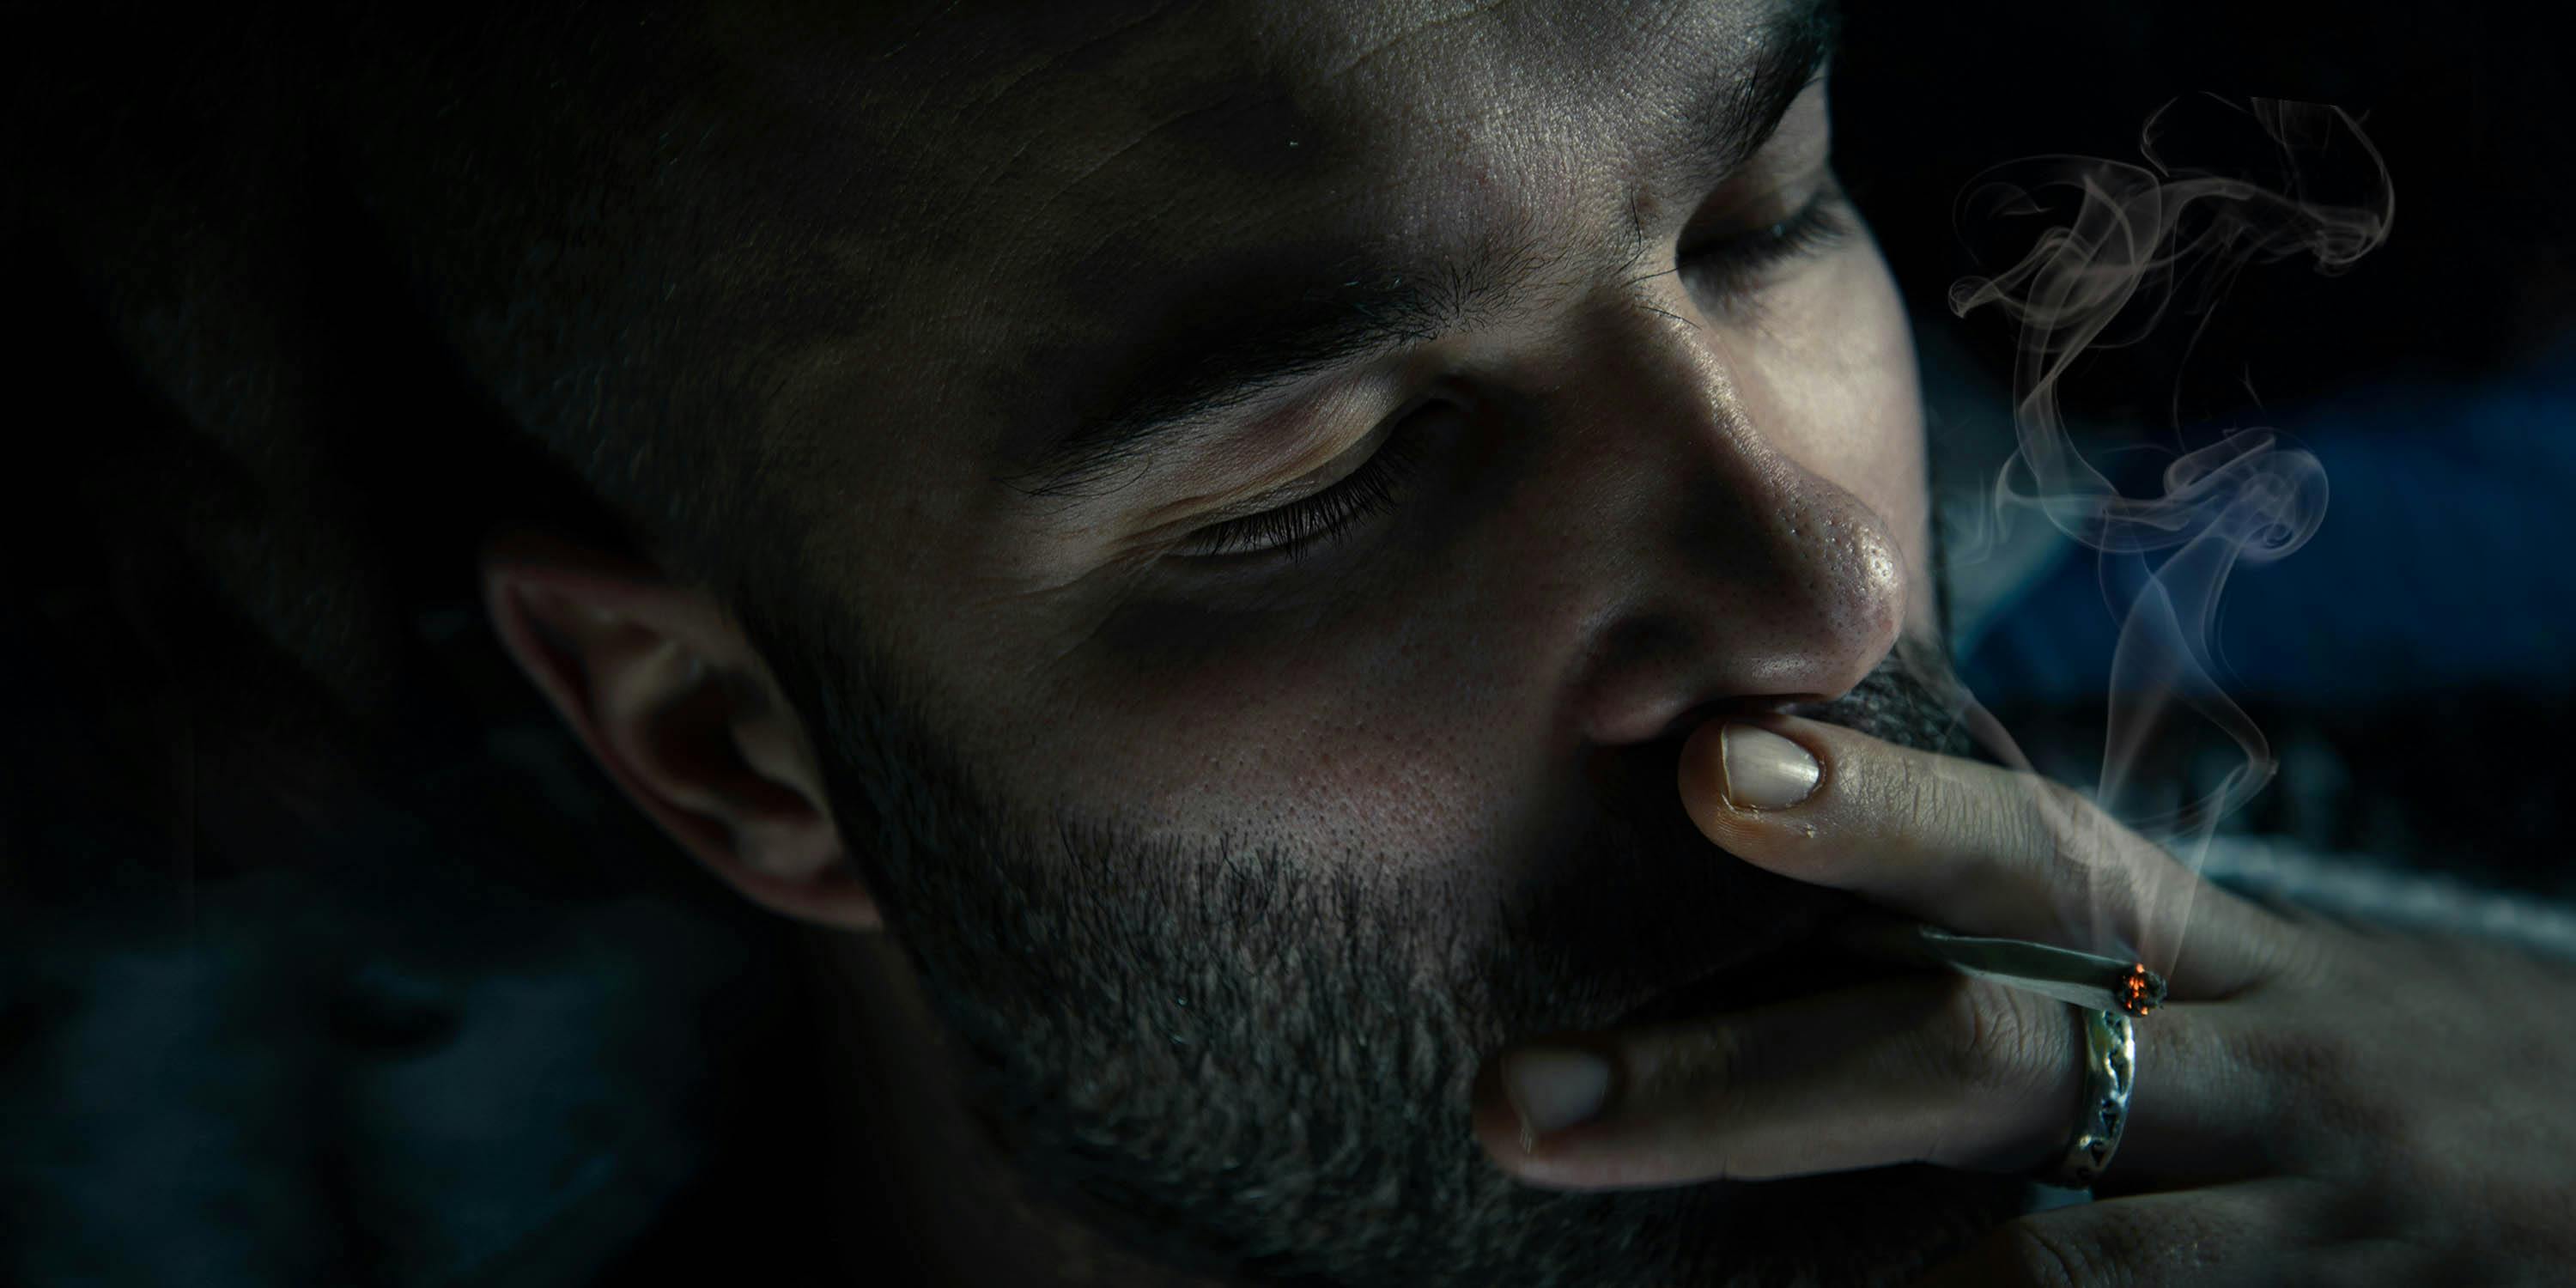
[[1679, 728]]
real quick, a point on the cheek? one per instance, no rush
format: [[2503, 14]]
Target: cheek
[[1371, 725]]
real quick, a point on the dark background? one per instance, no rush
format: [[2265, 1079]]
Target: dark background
[[355, 979], [2467, 103], [2426, 726]]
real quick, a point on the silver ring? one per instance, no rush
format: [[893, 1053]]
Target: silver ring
[[2110, 1066]]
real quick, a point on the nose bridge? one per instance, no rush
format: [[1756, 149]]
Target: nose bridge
[[1755, 575]]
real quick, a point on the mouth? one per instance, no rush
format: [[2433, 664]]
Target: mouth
[[1816, 964]]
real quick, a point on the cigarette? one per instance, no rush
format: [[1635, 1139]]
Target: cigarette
[[2101, 983]]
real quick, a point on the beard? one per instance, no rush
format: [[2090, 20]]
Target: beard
[[1253, 1060]]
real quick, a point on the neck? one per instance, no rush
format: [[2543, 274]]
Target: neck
[[905, 1148]]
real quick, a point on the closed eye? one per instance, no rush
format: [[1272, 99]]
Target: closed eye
[[1736, 265], [1293, 530], [1739, 264]]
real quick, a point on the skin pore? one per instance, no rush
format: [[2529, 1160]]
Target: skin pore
[[1223, 872]]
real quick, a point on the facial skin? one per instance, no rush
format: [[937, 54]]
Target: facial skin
[[1228, 873]]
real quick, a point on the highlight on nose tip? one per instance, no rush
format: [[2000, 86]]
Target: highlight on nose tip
[[1862, 598], [1837, 601]]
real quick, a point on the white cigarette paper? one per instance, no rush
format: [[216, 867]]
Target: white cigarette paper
[[2101, 983]]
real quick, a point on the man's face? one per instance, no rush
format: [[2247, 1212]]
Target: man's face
[[1524, 396]]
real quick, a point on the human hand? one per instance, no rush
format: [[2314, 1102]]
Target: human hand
[[2316, 1103]]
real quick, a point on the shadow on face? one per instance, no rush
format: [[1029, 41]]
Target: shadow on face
[[1250, 501]]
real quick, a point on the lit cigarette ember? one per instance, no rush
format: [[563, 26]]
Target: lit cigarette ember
[[2101, 983]]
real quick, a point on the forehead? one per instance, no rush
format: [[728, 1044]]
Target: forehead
[[1028, 192]]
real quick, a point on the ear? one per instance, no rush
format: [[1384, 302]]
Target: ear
[[658, 681]]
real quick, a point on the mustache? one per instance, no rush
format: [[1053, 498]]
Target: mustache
[[1912, 698], [1643, 900]]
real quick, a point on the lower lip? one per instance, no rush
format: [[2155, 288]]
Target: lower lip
[[1801, 970]]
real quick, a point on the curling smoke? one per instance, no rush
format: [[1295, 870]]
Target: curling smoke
[[2139, 235]]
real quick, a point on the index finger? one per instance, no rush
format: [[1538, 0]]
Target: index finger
[[1972, 847]]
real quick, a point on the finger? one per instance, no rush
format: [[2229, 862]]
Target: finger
[[1934, 1069], [2263, 1233], [1975, 848]]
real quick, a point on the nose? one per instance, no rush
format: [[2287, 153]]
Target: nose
[[1753, 580]]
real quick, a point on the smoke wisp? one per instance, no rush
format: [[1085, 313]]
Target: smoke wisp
[[2142, 241]]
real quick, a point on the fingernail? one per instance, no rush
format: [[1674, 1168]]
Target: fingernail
[[1552, 1088], [1765, 770]]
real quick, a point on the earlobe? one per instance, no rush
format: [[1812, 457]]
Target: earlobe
[[677, 708]]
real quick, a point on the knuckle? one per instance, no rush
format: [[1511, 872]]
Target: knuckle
[[1908, 796], [1991, 1039], [1927, 798], [2058, 814], [1695, 1064]]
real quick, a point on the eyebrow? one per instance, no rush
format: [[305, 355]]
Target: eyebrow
[[1378, 308]]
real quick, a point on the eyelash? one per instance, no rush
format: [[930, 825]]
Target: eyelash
[[1292, 531], [1817, 226]]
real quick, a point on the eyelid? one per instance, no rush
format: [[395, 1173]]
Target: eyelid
[[1735, 260], [1408, 391], [1294, 516], [1315, 482], [1730, 230], [1252, 450], [1387, 460]]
